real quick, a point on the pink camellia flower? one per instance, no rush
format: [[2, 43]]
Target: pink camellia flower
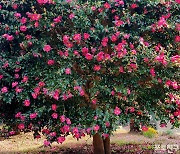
[[27, 102], [117, 111], [68, 121], [163, 125], [58, 19], [93, 8], [51, 62], [14, 6], [11, 133], [77, 37], [25, 79], [105, 135], [75, 130], [107, 123], [41, 84], [177, 39], [47, 48], [23, 20], [16, 76], [100, 56], [9, 38], [133, 6], [54, 115], [54, 107], [107, 5], [1, 76], [177, 1], [97, 67], [18, 115], [118, 23], [33, 115], [37, 90], [175, 59], [144, 128], [81, 92], [14, 84], [61, 139], [114, 38], [17, 15], [85, 50], [94, 101], [132, 109], [88, 130], [4, 90], [121, 69], [21, 126], [34, 95], [96, 128], [174, 85], [112, 92], [88, 56], [23, 28], [46, 142], [152, 71], [42, 1], [18, 90], [34, 17], [56, 95], [65, 129], [68, 71], [71, 16], [86, 36], [62, 118]]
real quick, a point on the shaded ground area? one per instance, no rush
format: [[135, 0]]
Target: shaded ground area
[[121, 142]]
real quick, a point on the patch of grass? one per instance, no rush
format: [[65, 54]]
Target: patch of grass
[[150, 133], [121, 143]]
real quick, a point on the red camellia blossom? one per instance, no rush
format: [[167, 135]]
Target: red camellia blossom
[[144, 128], [177, 1], [133, 6], [62, 118], [33, 115], [54, 115], [50, 62], [4, 90], [97, 67], [86, 36], [47, 48], [152, 71], [14, 84], [61, 139], [89, 56], [54, 107], [27, 102], [177, 39], [42, 1], [68, 71], [23, 28], [117, 111], [96, 128], [21, 126], [1, 76], [46, 143]]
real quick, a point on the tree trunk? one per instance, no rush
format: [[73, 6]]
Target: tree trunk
[[133, 127], [107, 148], [101, 146]]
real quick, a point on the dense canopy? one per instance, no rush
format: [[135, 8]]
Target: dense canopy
[[82, 67]]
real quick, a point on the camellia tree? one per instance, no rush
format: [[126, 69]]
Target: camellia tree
[[84, 67]]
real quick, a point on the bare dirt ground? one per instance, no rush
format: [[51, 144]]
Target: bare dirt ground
[[122, 140]]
